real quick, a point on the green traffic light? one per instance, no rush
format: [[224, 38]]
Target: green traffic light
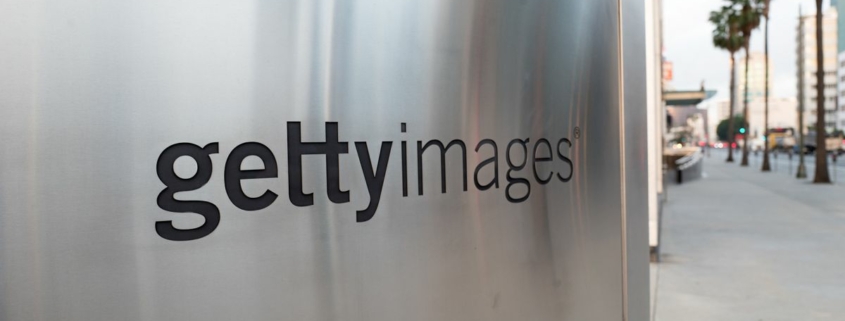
[[742, 130]]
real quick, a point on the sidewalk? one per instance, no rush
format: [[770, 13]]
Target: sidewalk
[[743, 245]]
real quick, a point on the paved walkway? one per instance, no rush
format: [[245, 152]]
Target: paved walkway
[[743, 245]]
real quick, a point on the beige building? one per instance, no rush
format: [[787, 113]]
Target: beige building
[[783, 113], [756, 78], [840, 5], [807, 64]]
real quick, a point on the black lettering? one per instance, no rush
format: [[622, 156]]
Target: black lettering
[[175, 184], [375, 181], [233, 176], [542, 159], [512, 167], [443, 149], [331, 148], [404, 169], [494, 159], [404, 164], [565, 160]]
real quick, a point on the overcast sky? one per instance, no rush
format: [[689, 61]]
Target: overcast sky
[[687, 43]]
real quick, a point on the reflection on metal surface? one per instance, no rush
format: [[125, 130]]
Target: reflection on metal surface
[[96, 92]]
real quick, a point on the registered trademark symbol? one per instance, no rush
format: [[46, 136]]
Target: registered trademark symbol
[[577, 133]]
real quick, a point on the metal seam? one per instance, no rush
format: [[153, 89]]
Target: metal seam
[[622, 160]]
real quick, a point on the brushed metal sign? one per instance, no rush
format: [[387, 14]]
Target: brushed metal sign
[[312, 160]]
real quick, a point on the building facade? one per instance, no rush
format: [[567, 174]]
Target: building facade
[[756, 78], [783, 113], [807, 65], [840, 6]]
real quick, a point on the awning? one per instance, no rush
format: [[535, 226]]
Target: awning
[[687, 97]]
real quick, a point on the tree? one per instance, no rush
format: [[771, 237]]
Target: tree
[[821, 177], [801, 171], [726, 36], [766, 166], [749, 19], [733, 127]]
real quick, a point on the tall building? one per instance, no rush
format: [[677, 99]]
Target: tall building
[[840, 6], [756, 78], [807, 63]]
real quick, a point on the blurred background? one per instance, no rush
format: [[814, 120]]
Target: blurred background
[[750, 215]]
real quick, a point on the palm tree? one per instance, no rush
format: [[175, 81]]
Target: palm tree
[[726, 36], [749, 19], [821, 149], [801, 171], [766, 166]]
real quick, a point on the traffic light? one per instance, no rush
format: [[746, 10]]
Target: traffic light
[[742, 130]]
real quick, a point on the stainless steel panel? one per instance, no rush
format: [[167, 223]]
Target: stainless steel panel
[[92, 92], [637, 173]]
